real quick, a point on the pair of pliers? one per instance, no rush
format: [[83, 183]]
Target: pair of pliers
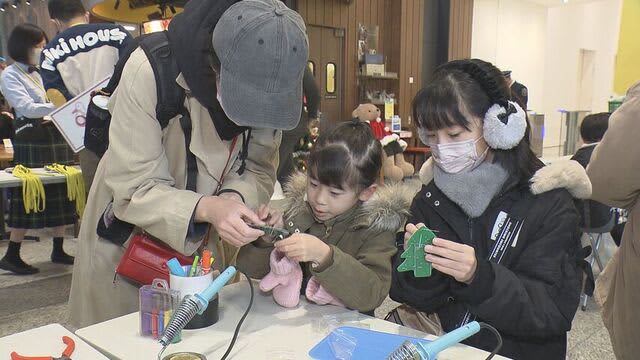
[[66, 354], [274, 233]]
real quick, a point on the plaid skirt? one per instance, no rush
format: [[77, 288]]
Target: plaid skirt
[[58, 209]]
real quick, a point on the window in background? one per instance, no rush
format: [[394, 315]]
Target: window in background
[[331, 78]]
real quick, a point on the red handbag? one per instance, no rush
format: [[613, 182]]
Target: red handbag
[[146, 259]]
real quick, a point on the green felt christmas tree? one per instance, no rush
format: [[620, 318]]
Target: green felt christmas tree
[[413, 254]]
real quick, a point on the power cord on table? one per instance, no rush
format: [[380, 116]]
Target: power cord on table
[[498, 337], [244, 316], [410, 350], [192, 304]]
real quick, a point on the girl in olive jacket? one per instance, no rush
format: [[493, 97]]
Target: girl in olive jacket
[[343, 227]]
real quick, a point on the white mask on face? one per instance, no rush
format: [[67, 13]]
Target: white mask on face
[[34, 56], [455, 157]]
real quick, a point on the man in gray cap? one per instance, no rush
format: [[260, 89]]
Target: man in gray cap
[[241, 66]]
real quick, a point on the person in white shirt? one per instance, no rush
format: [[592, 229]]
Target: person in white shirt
[[36, 143]]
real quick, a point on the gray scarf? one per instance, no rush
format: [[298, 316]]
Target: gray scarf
[[472, 190]]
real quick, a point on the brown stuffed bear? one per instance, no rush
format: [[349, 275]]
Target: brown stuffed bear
[[394, 166]]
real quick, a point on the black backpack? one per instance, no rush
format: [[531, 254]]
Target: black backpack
[[170, 98], [170, 104]]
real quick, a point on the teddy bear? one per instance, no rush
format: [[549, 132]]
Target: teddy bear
[[394, 165]]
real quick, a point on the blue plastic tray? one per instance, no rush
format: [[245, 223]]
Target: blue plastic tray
[[369, 344]]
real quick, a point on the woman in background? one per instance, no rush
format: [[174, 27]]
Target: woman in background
[[37, 143]]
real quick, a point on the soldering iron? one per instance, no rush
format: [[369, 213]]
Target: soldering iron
[[197, 304], [429, 350]]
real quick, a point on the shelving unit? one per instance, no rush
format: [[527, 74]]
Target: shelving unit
[[378, 77], [380, 103], [387, 82]]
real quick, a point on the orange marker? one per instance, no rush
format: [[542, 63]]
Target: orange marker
[[206, 261]]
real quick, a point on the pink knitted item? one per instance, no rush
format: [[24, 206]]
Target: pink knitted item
[[285, 279], [319, 295]]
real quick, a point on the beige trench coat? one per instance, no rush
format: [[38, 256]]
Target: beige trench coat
[[614, 171], [144, 172]]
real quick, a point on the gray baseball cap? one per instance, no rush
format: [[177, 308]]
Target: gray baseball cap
[[263, 49]]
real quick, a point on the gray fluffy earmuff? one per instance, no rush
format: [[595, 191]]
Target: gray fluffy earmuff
[[504, 128]]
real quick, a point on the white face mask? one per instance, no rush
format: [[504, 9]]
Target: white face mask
[[455, 157], [34, 56]]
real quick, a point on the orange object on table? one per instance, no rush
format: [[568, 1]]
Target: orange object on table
[[66, 354], [206, 261]]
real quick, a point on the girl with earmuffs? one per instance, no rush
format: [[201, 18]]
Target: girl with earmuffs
[[507, 243]]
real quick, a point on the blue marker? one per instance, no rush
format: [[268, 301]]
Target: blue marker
[[204, 297], [160, 323], [175, 268]]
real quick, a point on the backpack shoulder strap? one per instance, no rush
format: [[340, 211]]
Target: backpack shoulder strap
[[119, 67], [170, 95], [165, 70]]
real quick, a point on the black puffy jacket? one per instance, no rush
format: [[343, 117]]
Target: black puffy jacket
[[530, 290]]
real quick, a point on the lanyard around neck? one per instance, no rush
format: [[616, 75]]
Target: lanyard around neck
[[34, 81]]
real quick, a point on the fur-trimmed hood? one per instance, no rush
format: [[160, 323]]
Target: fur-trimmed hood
[[387, 210], [567, 174]]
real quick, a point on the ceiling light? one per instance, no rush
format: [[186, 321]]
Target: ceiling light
[[3, 7], [130, 28], [15, 4], [28, 2]]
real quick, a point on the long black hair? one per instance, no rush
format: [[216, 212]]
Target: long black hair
[[463, 88], [346, 155]]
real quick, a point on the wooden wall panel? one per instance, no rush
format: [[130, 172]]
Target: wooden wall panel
[[400, 40], [392, 37], [460, 24], [410, 56], [338, 14]]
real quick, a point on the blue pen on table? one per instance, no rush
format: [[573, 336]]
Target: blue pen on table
[[194, 266], [175, 267], [160, 323]]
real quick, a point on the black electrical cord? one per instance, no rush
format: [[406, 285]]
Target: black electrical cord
[[244, 316], [497, 334]]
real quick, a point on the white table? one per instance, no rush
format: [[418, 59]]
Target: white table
[[8, 180], [46, 341], [269, 332]]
